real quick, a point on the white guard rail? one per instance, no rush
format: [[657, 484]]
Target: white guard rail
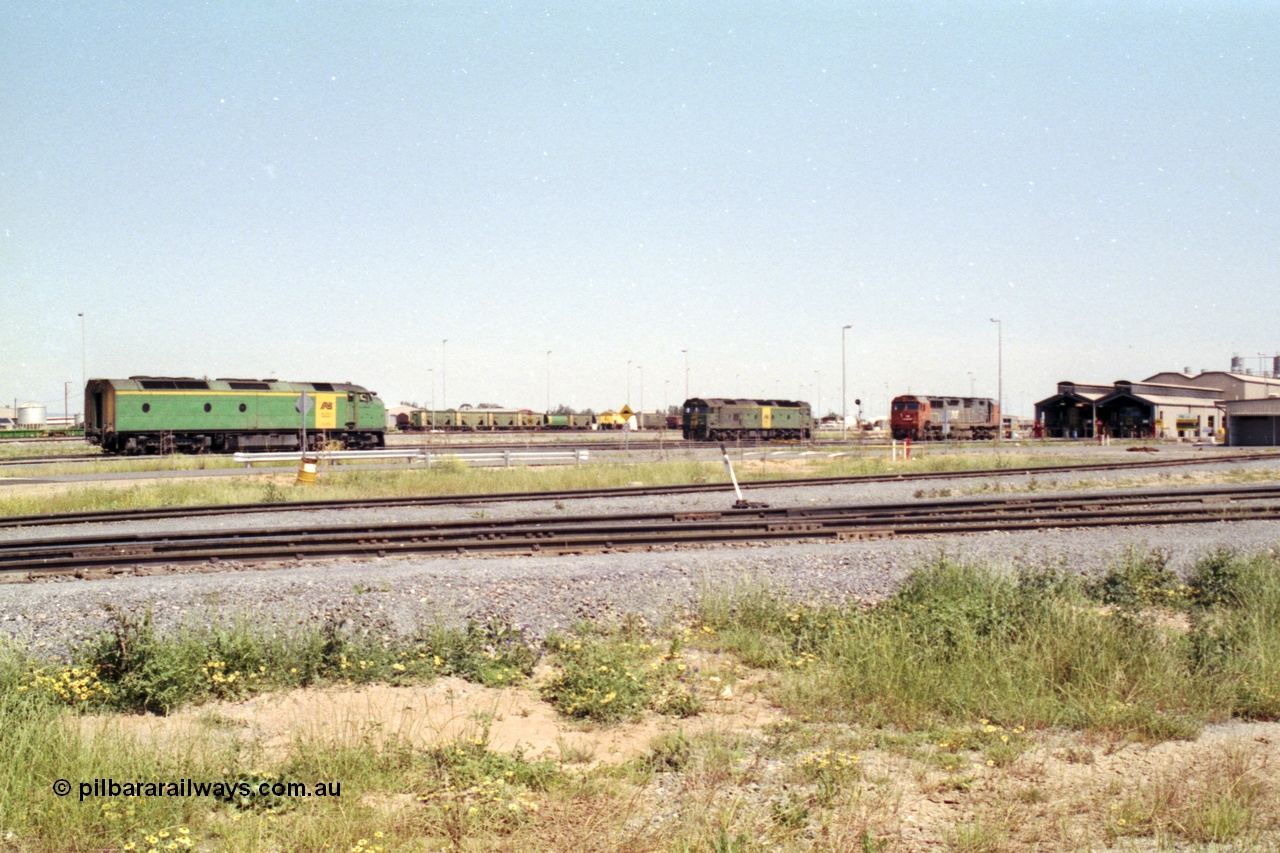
[[478, 459]]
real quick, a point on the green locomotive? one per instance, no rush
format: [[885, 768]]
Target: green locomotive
[[163, 414], [716, 419]]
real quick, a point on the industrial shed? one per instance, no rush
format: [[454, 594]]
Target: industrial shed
[[1153, 410], [1071, 412], [1253, 423], [1131, 410], [1234, 386]]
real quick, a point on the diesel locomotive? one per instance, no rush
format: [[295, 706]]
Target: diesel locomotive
[[718, 419], [936, 418], [165, 414]]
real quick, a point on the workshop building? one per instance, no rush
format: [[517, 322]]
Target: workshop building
[[1127, 409], [1253, 423]]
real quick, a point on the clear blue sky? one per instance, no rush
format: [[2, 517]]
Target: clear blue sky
[[328, 191]]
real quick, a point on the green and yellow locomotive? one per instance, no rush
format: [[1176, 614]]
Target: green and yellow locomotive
[[717, 419], [162, 414]]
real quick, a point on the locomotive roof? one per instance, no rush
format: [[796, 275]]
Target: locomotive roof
[[192, 383], [942, 397], [732, 401]]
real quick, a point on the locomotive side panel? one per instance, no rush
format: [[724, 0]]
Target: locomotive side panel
[[164, 414]]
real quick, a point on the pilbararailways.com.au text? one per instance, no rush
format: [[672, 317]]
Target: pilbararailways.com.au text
[[191, 788]]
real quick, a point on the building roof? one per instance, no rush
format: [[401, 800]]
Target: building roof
[[1245, 408], [1173, 400]]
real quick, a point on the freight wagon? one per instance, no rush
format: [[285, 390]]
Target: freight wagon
[[936, 418], [492, 420], [162, 414], [716, 419]]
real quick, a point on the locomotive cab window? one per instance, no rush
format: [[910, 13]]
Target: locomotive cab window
[[364, 398]]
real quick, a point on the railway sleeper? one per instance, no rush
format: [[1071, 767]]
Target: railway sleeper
[[112, 551], [874, 533], [795, 527]]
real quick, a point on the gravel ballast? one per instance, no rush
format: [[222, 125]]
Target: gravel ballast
[[547, 593]]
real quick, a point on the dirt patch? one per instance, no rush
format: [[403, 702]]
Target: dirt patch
[[422, 715]]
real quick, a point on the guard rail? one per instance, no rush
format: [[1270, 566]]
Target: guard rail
[[426, 458]]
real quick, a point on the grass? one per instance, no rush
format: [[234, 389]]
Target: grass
[[453, 478], [1013, 700], [1040, 650]]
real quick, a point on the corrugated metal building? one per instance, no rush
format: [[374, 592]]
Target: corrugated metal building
[[1072, 411], [1127, 409], [1253, 423], [1166, 405], [1155, 410], [1234, 386]]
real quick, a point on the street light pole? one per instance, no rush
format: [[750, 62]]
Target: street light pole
[[844, 387], [84, 376], [432, 371], [628, 383], [640, 368], [971, 391], [686, 373], [548, 382], [444, 376], [999, 378]]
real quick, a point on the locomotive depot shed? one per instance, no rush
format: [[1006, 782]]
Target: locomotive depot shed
[[1166, 405]]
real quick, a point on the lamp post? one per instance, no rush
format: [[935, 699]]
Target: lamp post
[[999, 378], [432, 371], [844, 387], [686, 373], [548, 381], [817, 388], [640, 368], [444, 376], [971, 392], [84, 376], [628, 383], [666, 396]]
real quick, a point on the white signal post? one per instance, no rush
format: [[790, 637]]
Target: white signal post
[[844, 389]]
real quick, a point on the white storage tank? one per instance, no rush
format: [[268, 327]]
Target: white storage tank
[[32, 416]]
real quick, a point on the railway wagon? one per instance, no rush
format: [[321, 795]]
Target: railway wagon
[[489, 420], [717, 419], [921, 418], [163, 414], [560, 421]]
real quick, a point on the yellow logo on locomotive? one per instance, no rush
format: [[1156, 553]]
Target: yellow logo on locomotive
[[326, 411]]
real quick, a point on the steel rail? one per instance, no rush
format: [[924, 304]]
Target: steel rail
[[149, 513], [620, 532]]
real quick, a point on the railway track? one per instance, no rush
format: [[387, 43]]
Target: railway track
[[597, 533], [465, 446], [155, 513]]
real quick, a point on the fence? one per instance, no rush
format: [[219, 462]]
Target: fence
[[426, 458]]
